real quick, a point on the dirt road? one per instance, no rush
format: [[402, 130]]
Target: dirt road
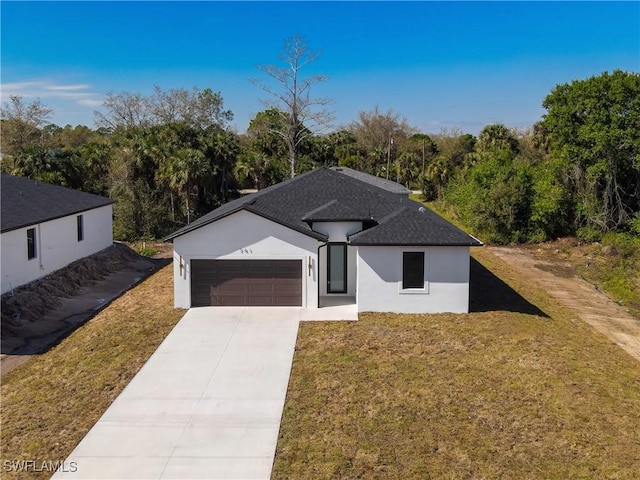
[[590, 304]]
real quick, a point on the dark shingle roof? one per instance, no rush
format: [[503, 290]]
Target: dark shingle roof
[[28, 202], [383, 183], [329, 195], [413, 224], [335, 211]]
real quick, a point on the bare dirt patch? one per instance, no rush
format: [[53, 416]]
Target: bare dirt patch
[[37, 315], [549, 267]]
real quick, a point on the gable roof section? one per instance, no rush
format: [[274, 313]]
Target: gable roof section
[[27, 202], [413, 224], [383, 183], [329, 195]]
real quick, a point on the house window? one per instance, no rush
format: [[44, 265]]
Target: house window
[[31, 244], [412, 270], [80, 228], [337, 268]]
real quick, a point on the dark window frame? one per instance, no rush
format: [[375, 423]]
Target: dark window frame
[[344, 267], [413, 269], [32, 248], [80, 227]]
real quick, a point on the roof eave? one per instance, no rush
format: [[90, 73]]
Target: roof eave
[[414, 244], [188, 228], [247, 208], [340, 219], [51, 219]]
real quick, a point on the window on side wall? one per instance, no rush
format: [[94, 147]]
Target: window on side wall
[[413, 270], [79, 221], [31, 244]]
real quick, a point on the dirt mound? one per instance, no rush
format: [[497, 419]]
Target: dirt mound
[[31, 301]]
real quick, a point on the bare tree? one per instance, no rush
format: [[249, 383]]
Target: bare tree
[[197, 108], [380, 134], [124, 109], [291, 96], [22, 126]]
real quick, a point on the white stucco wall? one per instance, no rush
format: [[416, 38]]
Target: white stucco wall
[[244, 236], [57, 246], [338, 232], [380, 280]]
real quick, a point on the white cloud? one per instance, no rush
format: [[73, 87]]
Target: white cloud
[[68, 87], [44, 89], [88, 102]]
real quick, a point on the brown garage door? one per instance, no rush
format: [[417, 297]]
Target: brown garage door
[[246, 282]]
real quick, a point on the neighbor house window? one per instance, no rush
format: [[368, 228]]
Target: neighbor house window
[[31, 244], [412, 270], [80, 228]]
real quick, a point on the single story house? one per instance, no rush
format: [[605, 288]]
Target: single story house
[[46, 227], [332, 235]]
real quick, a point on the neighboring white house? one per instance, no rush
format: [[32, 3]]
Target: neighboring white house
[[45, 227], [327, 236]]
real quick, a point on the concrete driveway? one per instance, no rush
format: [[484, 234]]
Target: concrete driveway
[[207, 404]]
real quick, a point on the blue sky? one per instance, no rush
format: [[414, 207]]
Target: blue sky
[[440, 65]]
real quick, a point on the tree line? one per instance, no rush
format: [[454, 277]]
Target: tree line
[[170, 157]]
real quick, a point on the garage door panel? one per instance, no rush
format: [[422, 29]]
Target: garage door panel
[[229, 289], [288, 289], [246, 282], [226, 300], [260, 289]]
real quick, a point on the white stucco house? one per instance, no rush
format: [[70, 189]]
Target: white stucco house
[[46, 227], [325, 237]]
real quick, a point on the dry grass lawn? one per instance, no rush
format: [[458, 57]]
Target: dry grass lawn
[[51, 402], [518, 389]]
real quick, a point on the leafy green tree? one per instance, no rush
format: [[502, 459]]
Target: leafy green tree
[[595, 125], [552, 204], [69, 137], [494, 197], [453, 153], [493, 192], [497, 137], [414, 155], [264, 160]]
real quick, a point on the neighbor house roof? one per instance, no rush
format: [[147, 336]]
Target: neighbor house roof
[[325, 195], [28, 202]]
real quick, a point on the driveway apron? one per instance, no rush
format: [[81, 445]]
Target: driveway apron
[[207, 404]]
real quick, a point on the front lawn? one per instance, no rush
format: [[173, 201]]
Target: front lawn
[[519, 389]]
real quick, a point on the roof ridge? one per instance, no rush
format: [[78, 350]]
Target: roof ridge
[[320, 208], [385, 184]]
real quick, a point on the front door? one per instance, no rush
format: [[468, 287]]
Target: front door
[[337, 268]]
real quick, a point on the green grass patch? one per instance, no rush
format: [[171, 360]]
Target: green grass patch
[[51, 402], [496, 394], [615, 268]]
